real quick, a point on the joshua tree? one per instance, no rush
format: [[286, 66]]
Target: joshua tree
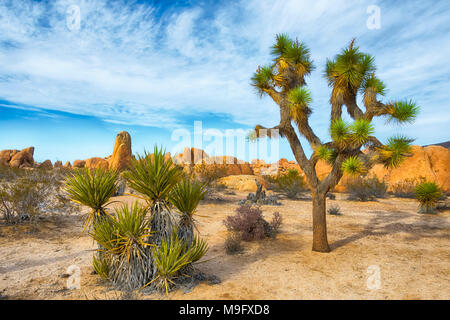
[[350, 73]]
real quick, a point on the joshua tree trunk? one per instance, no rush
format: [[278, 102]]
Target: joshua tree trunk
[[320, 241]]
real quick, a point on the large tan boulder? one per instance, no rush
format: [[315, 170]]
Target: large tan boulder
[[95, 163], [122, 155], [79, 163], [23, 159], [242, 182], [68, 165], [58, 164]]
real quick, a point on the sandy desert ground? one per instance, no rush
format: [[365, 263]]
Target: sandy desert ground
[[411, 250]]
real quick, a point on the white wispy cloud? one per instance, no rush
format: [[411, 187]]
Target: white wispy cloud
[[128, 64]]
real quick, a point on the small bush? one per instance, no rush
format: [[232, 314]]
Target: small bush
[[209, 173], [25, 194], [233, 244], [292, 184], [365, 189], [334, 210], [250, 224], [428, 194], [405, 188]]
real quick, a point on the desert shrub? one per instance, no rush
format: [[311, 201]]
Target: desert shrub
[[209, 173], [292, 184], [27, 193], [250, 224], [331, 196], [405, 188], [334, 210], [233, 244], [365, 189], [428, 194]]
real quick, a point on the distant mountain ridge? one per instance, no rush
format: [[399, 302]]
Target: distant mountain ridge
[[445, 144]]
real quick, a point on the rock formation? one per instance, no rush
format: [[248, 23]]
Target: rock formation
[[121, 157], [47, 165], [23, 159], [79, 163], [96, 162], [243, 182]]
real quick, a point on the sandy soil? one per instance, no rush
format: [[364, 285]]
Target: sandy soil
[[410, 249]]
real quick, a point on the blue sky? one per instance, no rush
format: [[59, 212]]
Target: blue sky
[[153, 67]]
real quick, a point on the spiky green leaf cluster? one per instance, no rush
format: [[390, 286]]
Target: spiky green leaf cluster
[[125, 233], [262, 79], [153, 175], [350, 69], [394, 152], [403, 111], [172, 256], [361, 130], [340, 132], [324, 153], [299, 99], [186, 195], [101, 266], [353, 165], [372, 82], [427, 193], [92, 188]]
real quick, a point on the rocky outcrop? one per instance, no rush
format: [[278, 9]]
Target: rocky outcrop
[[46, 165], [23, 159], [79, 163], [121, 157], [58, 164], [68, 165], [95, 163], [243, 182]]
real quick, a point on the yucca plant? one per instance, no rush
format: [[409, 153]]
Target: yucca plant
[[186, 196], [92, 188], [101, 265], [123, 239], [172, 257], [154, 176], [427, 193]]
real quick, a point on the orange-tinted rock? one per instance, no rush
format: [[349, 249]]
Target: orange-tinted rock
[[440, 165], [3, 162], [94, 163], [58, 164], [121, 157], [67, 165], [8, 154], [47, 164], [79, 163], [23, 159], [242, 182]]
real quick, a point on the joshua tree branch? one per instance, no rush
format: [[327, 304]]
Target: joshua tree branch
[[352, 107]]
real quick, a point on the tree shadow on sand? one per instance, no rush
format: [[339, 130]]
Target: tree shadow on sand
[[388, 223]]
